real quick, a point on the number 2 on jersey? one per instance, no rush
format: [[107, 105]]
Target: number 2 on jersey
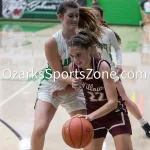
[[96, 97]]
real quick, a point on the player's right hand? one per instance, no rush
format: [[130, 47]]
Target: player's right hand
[[76, 83], [53, 93]]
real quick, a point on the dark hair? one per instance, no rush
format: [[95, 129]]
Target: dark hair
[[142, 4], [98, 8], [84, 39], [63, 6], [86, 18]]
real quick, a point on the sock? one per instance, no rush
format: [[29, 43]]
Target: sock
[[142, 121]]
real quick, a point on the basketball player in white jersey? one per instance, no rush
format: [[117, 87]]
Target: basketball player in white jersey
[[58, 60]]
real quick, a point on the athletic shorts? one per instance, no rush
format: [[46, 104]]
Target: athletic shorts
[[71, 102], [147, 12], [116, 124]]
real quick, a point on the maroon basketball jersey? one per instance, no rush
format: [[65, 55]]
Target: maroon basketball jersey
[[93, 86]]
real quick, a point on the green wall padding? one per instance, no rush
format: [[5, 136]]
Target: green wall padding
[[121, 12], [89, 2]]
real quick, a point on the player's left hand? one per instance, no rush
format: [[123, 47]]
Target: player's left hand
[[118, 69]]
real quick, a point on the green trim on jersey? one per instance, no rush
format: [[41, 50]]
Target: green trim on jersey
[[146, 12], [104, 46], [108, 51], [48, 71], [110, 55]]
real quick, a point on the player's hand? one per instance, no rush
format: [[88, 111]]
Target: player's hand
[[54, 93], [87, 117], [118, 69], [76, 83]]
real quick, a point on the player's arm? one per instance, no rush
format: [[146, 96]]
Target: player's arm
[[66, 90], [115, 44], [110, 89], [53, 58]]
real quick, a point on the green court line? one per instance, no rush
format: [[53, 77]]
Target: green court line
[[30, 20], [24, 26], [27, 43]]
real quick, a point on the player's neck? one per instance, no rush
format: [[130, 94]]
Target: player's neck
[[67, 34], [87, 66]]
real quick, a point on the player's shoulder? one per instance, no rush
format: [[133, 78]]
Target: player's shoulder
[[57, 34], [52, 40], [103, 65], [108, 32], [106, 29]]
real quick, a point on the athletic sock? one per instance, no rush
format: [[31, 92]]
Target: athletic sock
[[142, 121]]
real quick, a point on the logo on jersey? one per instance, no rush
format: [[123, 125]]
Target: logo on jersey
[[90, 87]]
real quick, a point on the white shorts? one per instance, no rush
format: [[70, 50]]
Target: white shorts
[[71, 102]]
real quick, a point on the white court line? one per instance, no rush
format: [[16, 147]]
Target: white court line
[[13, 95]]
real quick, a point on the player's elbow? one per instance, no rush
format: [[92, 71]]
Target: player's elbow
[[114, 104]]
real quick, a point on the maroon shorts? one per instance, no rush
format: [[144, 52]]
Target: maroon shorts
[[116, 124]]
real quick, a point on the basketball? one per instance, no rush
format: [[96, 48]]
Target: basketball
[[77, 132]]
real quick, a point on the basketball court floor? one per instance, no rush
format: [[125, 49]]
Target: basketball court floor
[[22, 57]]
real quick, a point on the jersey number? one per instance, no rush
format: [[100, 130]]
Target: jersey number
[[97, 96]]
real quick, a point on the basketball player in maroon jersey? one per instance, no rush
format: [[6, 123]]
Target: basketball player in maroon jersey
[[105, 107], [108, 39]]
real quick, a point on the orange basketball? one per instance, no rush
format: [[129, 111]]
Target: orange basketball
[[77, 132]]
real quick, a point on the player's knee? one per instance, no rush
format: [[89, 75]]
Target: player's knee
[[40, 130], [125, 147]]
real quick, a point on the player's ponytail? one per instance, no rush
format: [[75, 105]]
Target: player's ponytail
[[84, 39], [88, 21]]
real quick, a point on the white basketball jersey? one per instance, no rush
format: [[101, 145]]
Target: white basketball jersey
[[106, 51], [62, 48], [63, 53]]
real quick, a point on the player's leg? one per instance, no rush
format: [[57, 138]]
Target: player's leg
[[132, 107], [123, 142], [44, 113], [100, 133], [148, 17], [120, 128], [96, 144]]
